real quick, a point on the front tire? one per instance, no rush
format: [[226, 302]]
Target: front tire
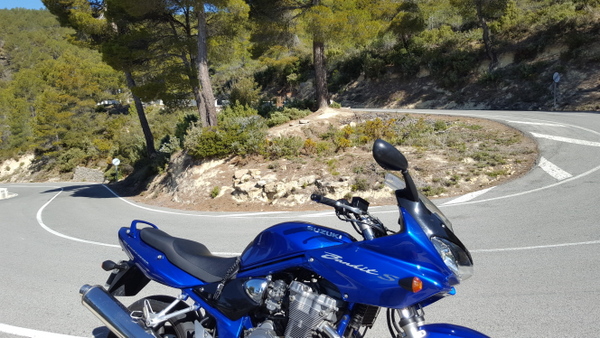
[[176, 327]]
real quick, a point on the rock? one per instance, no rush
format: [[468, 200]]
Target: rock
[[83, 174], [275, 190], [307, 180], [240, 173]]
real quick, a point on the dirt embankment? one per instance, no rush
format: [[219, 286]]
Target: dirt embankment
[[488, 154]]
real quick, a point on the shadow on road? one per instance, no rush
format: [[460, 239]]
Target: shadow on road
[[85, 190]]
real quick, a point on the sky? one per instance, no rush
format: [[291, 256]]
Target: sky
[[29, 4]]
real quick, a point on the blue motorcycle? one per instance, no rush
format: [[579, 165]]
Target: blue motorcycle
[[296, 279]]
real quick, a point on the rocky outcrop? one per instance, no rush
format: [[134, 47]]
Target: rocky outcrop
[[250, 185], [83, 174]]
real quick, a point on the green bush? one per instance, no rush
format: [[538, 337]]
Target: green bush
[[182, 126], [295, 113], [247, 135], [454, 68], [360, 184], [240, 132], [335, 105], [276, 118], [378, 128], [283, 146], [169, 144], [207, 142], [68, 160], [244, 92], [306, 104], [233, 112], [374, 66], [323, 148], [281, 116], [215, 192]]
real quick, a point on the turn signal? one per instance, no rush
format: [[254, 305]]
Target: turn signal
[[417, 284], [413, 284]]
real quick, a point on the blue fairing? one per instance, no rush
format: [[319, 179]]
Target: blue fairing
[[290, 239], [449, 330], [366, 272]]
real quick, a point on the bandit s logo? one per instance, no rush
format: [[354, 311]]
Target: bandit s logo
[[360, 267]]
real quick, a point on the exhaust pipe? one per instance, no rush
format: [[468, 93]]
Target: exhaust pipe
[[112, 313]]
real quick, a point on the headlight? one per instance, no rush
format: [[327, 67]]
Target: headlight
[[454, 257]]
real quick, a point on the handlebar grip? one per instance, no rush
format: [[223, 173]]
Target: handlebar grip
[[324, 200]]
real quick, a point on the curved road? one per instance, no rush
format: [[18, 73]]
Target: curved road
[[535, 242]]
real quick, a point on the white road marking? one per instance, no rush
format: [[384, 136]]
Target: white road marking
[[589, 172], [56, 233], [23, 332], [553, 170], [468, 197], [537, 123], [567, 140], [170, 212], [549, 246]]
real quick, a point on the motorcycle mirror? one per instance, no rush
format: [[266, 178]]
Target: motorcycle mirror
[[388, 157]]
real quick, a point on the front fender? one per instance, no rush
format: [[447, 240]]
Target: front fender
[[449, 330]]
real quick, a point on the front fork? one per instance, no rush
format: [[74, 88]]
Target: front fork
[[408, 323]]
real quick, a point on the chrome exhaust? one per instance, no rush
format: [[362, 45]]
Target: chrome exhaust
[[112, 313]]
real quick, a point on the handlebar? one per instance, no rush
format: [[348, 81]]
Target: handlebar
[[338, 205], [360, 219]]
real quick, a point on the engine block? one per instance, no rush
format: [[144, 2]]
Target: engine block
[[308, 310]]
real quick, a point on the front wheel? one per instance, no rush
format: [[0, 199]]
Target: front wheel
[[176, 327]]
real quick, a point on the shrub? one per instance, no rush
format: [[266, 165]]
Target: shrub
[[182, 126], [276, 118], [374, 67], [335, 105], [323, 148], [341, 143], [295, 113], [215, 192], [230, 113], [310, 146], [283, 146], [244, 92], [360, 184], [440, 125], [240, 132], [68, 160], [306, 104], [206, 142], [169, 144], [281, 116], [378, 128]]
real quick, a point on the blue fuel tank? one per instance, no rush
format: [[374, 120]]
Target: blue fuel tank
[[285, 240]]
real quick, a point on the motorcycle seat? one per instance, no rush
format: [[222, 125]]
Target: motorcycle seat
[[192, 257]]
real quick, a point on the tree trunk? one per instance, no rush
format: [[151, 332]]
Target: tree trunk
[[320, 75], [200, 104], [487, 40], [150, 149], [203, 75]]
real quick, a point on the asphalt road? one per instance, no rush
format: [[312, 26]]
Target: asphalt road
[[535, 242]]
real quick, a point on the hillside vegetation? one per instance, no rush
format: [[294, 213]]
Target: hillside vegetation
[[60, 102]]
